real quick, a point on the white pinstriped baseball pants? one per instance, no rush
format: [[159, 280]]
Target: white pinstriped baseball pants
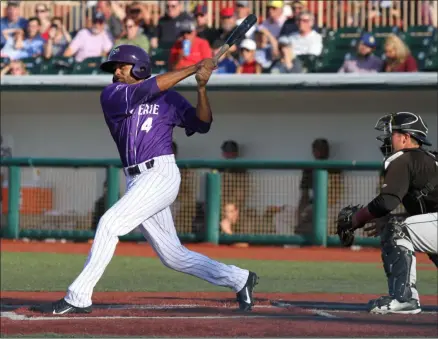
[[146, 202]]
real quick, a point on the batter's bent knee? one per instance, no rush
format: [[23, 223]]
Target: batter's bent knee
[[109, 224]]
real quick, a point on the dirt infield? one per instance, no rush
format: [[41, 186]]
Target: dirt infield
[[364, 255], [215, 315]]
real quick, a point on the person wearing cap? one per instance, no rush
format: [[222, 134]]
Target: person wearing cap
[[90, 42], [202, 29], [249, 64], [242, 11], [275, 20], [112, 23], [12, 21], [288, 62], [306, 41], [189, 49], [226, 63], [168, 28], [364, 61]]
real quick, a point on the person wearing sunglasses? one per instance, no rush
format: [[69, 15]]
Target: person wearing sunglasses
[[42, 12], [133, 36], [189, 49], [306, 41]]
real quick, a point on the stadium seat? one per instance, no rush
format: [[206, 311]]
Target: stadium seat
[[431, 65], [57, 65], [423, 30], [344, 37], [381, 33], [4, 62], [88, 66], [323, 65], [33, 65], [308, 62]]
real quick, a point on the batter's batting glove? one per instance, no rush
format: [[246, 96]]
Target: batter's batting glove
[[344, 223]]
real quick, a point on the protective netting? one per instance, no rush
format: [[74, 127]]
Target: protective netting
[[61, 198], [275, 201], [253, 202]]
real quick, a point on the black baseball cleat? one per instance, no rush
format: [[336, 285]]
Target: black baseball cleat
[[59, 307], [244, 296]]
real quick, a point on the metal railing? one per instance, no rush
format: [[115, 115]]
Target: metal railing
[[59, 198], [331, 14]]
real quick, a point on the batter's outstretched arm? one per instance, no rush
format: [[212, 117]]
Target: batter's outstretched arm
[[167, 80], [203, 109]]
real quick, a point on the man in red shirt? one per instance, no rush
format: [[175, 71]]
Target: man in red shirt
[[189, 49]]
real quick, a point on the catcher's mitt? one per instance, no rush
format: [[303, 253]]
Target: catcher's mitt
[[344, 223]]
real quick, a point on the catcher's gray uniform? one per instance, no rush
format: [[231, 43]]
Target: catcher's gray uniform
[[411, 178]]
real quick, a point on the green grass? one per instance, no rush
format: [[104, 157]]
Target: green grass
[[55, 272]]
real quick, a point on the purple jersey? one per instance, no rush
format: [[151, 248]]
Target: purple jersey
[[141, 119]]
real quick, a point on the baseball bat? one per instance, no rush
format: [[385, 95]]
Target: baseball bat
[[235, 35]]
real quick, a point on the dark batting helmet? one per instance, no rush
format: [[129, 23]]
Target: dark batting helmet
[[129, 54], [402, 122]]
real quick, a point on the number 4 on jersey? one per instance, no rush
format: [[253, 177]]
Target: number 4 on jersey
[[147, 125]]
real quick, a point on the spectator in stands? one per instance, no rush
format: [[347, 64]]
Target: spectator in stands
[[202, 29], [24, 45], [11, 37], [364, 61], [58, 39], [398, 56], [13, 20], [227, 25], [230, 218], [249, 65], [242, 11], [189, 49], [306, 41], [89, 43], [288, 63], [112, 23], [168, 29], [141, 15], [227, 64], [320, 151], [16, 68], [235, 183], [267, 48], [291, 25], [275, 18], [42, 12], [132, 35]]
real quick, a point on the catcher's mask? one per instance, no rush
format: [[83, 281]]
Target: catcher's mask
[[401, 122]]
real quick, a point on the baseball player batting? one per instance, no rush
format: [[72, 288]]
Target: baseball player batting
[[141, 113]]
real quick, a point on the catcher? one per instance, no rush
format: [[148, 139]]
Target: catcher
[[410, 178]]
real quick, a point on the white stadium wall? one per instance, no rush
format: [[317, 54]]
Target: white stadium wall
[[268, 124]]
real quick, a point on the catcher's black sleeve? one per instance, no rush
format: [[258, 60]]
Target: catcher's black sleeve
[[395, 186], [383, 204]]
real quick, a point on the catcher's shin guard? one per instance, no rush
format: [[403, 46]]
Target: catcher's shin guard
[[399, 262]]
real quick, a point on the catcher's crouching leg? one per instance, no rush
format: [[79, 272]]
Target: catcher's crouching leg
[[399, 262]]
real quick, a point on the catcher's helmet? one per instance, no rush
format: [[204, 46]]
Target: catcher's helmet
[[129, 54], [402, 122]]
